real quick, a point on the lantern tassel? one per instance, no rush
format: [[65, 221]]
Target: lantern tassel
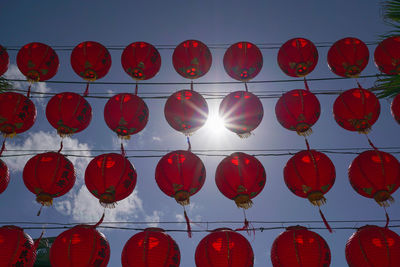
[[306, 84], [359, 85], [86, 93], [245, 86], [307, 144], [189, 228], [136, 88], [387, 219], [3, 147], [40, 211], [101, 220], [189, 144], [371, 144], [123, 150], [191, 85], [325, 221], [35, 246], [61, 146], [28, 94], [247, 226]]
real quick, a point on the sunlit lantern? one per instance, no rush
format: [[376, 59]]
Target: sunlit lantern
[[242, 112], [297, 57], [4, 60], [300, 247], [192, 59], [224, 248], [395, 108], [151, 248], [240, 177], [180, 174], [126, 114], [141, 60], [373, 246], [110, 178], [375, 174], [4, 176], [387, 56], [17, 247], [37, 61], [356, 109], [68, 113], [298, 110], [348, 57], [186, 111], [243, 61]]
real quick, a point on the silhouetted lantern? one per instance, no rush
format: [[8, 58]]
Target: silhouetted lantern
[[298, 110], [17, 247], [297, 57], [373, 246], [90, 60], [110, 178], [4, 176], [126, 114], [387, 55], [68, 113], [395, 108], [375, 174], [240, 177], [4, 60], [348, 57], [37, 61], [81, 245], [49, 175], [192, 59], [356, 109], [180, 174], [141, 60], [243, 61], [310, 174], [151, 248], [186, 111], [300, 247], [242, 112]]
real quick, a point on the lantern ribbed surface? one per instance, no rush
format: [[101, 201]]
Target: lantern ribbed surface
[[4, 176]]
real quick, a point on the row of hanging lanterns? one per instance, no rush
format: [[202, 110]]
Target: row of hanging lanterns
[[83, 245]]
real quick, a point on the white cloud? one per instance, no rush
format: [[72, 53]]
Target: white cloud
[[155, 217], [156, 138]]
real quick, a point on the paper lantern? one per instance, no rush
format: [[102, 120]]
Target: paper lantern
[[110, 178], [243, 61], [298, 247], [4, 60], [151, 248], [356, 109], [395, 108], [297, 57], [68, 113], [375, 174], [126, 114], [4, 176], [387, 55], [90, 60], [348, 57], [192, 59], [49, 175], [224, 248], [186, 111], [141, 60], [240, 177], [37, 61], [298, 110], [242, 112]]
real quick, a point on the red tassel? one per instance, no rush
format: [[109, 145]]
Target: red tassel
[[359, 85], [101, 221], [371, 144], [189, 144], [61, 146], [189, 228], [307, 144], [136, 88], [123, 150], [306, 84], [325, 222], [40, 211], [3, 147], [86, 93], [245, 86], [29, 91], [387, 219], [36, 244], [245, 226]]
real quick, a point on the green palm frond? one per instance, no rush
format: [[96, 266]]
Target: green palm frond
[[4, 84]]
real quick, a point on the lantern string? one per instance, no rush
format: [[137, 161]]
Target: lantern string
[[189, 144], [3, 146], [247, 226], [307, 144], [136, 88], [191, 85], [123, 150], [28, 94], [61, 146], [245, 86], [101, 219], [189, 228], [359, 85], [306, 84], [40, 211], [325, 221], [86, 93], [370, 143], [387, 218]]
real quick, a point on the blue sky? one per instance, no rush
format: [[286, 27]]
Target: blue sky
[[212, 22]]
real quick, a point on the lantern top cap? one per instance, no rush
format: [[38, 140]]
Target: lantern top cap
[[154, 229], [222, 229], [296, 227]]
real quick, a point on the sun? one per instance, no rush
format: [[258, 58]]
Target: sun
[[215, 124]]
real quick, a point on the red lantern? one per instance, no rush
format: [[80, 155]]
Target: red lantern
[[4, 176], [348, 57], [356, 109], [192, 59], [17, 247], [395, 108], [49, 175], [186, 111], [297, 57], [298, 110], [310, 174], [224, 248], [240, 177], [151, 248], [37, 61], [375, 174], [242, 112], [110, 178], [69, 113], [126, 114], [180, 174], [297, 247], [141, 60], [90, 60], [387, 56], [4, 60], [243, 61], [373, 246], [81, 245]]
